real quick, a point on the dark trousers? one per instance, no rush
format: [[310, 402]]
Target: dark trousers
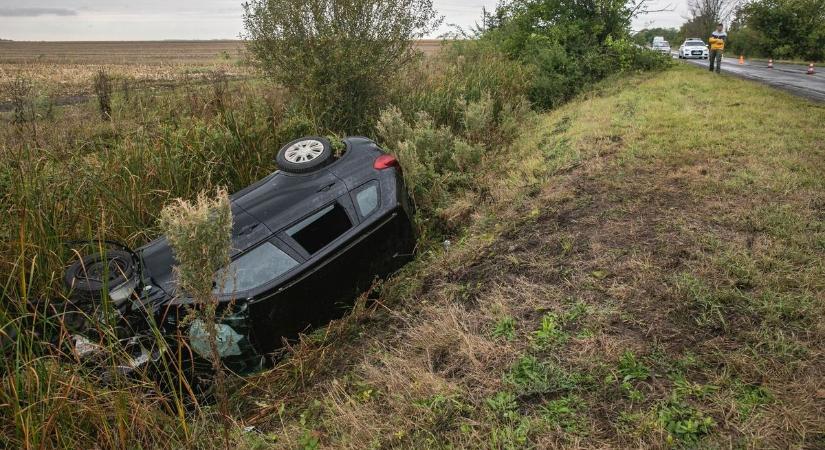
[[715, 56]]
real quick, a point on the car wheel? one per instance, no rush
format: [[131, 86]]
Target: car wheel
[[304, 155], [115, 271]]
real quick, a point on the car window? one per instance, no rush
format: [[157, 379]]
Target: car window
[[367, 199], [695, 44], [321, 228], [254, 268]]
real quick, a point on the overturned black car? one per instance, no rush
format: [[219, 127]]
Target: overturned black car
[[307, 239]]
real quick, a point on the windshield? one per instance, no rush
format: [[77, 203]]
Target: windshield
[[694, 44], [661, 44], [254, 268]]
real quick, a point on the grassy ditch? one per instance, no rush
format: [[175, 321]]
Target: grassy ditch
[[73, 173], [658, 283], [620, 272]]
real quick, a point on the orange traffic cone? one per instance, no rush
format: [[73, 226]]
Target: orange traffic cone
[[810, 69], [770, 64], [741, 59]]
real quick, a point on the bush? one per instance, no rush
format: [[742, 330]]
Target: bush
[[445, 167], [464, 72], [784, 28], [21, 92], [586, 42], [103, 90], [430, 155], [337, 57]]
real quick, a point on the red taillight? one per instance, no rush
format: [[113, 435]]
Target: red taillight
[[385, 162]]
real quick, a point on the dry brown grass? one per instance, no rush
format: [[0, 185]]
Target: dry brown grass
[[64, 69], [61, 69]]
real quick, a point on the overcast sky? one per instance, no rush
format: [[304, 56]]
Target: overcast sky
[[88, 20]]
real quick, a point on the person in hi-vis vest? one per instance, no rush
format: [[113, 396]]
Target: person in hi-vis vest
[[717, 46]]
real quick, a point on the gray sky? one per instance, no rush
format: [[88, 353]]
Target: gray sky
[[67, 20]]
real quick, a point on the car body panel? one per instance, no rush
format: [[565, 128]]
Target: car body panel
[[314, 296], [287, 197], [347, 169]]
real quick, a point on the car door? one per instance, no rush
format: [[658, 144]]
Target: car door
[[327, 281]]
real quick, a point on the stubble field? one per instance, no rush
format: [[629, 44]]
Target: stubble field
[[64, 71]]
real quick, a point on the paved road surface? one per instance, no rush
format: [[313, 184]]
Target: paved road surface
[[789, 77]]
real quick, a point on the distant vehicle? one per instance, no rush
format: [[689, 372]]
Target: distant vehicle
[[693, 48], [306, 240], [662, 47]]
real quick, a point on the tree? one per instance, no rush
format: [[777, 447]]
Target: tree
[[705, 14], [571, 43], [336, 57], [786, 28]]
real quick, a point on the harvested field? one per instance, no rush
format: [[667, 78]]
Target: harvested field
[[121, 52], [64, 71]]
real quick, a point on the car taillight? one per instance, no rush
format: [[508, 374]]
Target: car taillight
[[385, 162]]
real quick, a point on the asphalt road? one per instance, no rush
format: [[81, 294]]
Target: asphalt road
[[789, 77]]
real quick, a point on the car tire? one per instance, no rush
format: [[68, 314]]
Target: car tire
[[304, 155], [84, 277]]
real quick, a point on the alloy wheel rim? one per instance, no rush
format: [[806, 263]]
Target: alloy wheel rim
[[304, 151]]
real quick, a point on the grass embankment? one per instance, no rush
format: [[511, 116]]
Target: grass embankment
[[661, 285]]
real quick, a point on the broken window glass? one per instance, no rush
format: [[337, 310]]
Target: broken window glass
[[254, 268]]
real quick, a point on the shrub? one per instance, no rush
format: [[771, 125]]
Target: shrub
[[464, 72], [103, 90], [437, 163], [337, 57], [443, 145], [220, 86], [586, 42], [627, 57], [21, 92], [200, 234]]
